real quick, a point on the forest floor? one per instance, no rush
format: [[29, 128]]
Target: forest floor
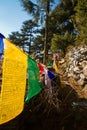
[[63, 111], [38, 115]]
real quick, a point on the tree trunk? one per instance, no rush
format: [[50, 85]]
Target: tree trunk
[[46, 34]]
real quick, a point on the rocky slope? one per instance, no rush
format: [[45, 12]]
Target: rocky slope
[[74, 69]]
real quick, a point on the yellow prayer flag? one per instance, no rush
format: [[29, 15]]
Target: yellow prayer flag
[[55, 66], [13, 82], [43, 52]]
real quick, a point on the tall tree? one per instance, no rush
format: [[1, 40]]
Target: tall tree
[[38, 10], [28, 30], [62, 25], [17, 39], [25, 37]]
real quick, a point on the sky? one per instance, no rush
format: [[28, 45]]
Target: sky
[[12, 15]]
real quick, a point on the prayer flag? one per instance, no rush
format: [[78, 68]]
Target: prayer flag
[[1, 45], [41, 68], [48, 85], [13, 81], [51, 75], [34, 85], [55, 66], [14, 66]]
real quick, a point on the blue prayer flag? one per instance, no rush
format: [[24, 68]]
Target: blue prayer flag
[[1, 45], [51, 75]]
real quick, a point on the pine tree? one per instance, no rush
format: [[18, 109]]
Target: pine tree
[[81, 20]]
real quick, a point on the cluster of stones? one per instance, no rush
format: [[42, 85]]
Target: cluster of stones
[[76, 70]]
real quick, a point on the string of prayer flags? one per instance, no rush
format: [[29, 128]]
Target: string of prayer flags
[[15, 65]]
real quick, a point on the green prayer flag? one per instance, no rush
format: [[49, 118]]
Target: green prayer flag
[[34, 85]]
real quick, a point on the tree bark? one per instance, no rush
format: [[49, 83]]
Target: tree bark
[[45, 59]]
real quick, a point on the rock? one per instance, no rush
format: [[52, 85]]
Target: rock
[[76, 69], [82, 76], [85, 71], [80, 82]]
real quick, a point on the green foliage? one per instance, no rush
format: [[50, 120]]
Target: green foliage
[[29, 6], [66, 25], [81, 20], [62, 26], [25, 37], [17, 39], [37, 8], [61, 42]]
